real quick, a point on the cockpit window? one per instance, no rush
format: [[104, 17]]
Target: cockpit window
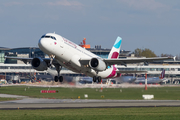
[[46, 36]]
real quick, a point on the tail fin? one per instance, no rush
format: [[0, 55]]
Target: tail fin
[[114, 53], [162, 74]]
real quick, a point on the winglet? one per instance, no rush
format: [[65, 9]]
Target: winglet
[[174, 58]]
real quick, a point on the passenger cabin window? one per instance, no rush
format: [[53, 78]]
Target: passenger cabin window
[[46, 36]]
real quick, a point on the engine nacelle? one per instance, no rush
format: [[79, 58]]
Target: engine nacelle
[[97, 64], [39, 64]]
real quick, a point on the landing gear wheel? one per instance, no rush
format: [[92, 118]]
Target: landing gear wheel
[[60, 78], [56, 78], [58, 69], [99, 79], [94, 79]]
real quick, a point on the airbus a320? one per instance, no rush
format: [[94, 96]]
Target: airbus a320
[[63, 52]]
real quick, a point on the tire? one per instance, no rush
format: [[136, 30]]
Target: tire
[[94, 79], [60, 78], [99, 79], [56, 78]]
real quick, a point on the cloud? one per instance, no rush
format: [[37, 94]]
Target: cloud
[[149, 5], [65, 3]]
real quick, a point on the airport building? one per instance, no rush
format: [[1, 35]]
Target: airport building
[[18, 68]]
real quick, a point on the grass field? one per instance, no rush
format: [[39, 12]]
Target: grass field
[[7, 99], [152, 113], [161, 93]]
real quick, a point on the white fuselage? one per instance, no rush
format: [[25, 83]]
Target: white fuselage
[[68, 55]]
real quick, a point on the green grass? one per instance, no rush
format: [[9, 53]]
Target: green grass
[[152, 113], [161, 93], [7, 99]]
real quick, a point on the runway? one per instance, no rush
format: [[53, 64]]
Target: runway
[[39, 103]]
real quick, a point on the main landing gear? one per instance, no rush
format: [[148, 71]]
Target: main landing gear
[[98, 79], [58, 69], [58, 78]]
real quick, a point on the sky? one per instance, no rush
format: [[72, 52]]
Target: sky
[[152, 24]]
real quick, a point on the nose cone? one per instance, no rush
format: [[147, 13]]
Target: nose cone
[[43, 44]]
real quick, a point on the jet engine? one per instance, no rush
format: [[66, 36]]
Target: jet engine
[[39, 64], [97, 64]]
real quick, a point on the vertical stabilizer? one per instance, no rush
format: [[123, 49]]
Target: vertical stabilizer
[[114, 53], [162, 74]]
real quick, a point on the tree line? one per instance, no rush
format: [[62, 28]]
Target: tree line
[[149, 53]]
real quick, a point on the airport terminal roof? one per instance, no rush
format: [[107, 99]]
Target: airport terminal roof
[[3, 48]]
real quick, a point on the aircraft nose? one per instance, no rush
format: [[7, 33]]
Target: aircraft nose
[[42, 43]]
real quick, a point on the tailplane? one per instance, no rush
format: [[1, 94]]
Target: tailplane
[[114, 53]]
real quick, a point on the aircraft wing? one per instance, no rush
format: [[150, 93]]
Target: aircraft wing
[[25, 60], [126, 61], [133, 60], [84, 61]]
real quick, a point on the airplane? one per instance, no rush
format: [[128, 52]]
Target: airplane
[[152, 80], [137, 80], [85, 80], [125, 79], [63, 52]]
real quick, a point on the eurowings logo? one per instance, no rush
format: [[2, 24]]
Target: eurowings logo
[[117, 44], [115, 55]]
